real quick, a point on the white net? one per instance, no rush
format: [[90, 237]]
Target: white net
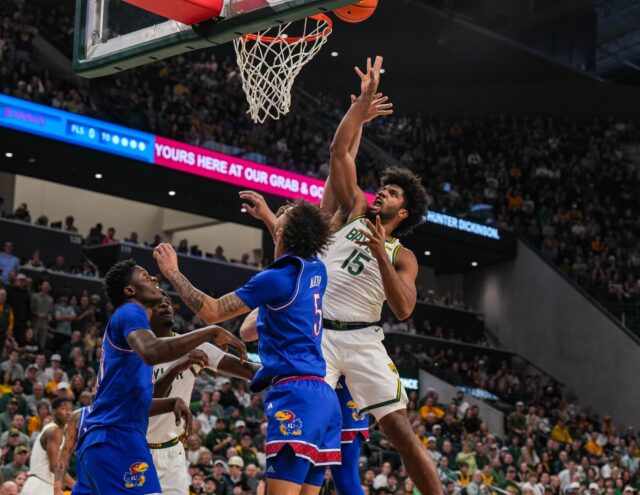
[[269, 62]]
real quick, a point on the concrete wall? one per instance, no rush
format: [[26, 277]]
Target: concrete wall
[[539, 314], [446, 392]]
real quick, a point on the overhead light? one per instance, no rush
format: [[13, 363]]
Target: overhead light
[[427, 253], [8, 154], [98, 176], [32, 160], [474, 263], [243, 210], [382, 71], [172, 193], [334, 54]]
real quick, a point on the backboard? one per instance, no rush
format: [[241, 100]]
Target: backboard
[[111, 35]]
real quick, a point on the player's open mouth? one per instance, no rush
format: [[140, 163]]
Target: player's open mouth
[[377, 202]]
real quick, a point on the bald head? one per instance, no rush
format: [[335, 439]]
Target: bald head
[[9, 488]]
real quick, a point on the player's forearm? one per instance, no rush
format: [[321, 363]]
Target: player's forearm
[[162, 406], [400, 296], [342, 165], [231, 366], [60, 467], [162, 385], [209, 309], [163, 350]]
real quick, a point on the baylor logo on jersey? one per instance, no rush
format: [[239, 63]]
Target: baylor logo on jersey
[[160, 371]]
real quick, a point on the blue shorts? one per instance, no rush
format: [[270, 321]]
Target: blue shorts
[[354, 424], [303, 413], [116, 461], [82, 486]]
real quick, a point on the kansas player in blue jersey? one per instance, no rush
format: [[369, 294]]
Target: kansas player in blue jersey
[[112, 450], [303, 413]]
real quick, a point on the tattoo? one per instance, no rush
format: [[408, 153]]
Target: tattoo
[[192, 297], [62, 462], [230, 303]]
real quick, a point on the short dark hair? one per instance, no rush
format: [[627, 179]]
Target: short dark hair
[[416, 199], [58, 401], [116, 279], [307, 230]]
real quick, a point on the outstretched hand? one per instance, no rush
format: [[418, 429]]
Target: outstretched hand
[[377, 107], [375, 238], [256, 205], [370, 80], [167, 259], [196, 357], [223, 339]]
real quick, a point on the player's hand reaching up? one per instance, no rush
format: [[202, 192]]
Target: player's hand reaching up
[[256, 206], [181, 412], [167, 259], [378, 107], [374, 239], [370, 80], [224, 339]]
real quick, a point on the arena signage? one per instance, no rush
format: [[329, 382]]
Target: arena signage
[[463, 225], [118, 140]]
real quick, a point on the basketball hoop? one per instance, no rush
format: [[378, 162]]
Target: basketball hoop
[[270, 60]]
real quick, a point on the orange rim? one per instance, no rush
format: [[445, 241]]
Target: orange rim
[[295, 39]]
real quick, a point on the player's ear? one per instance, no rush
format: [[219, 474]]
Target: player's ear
[[129, 291], [403, 213]]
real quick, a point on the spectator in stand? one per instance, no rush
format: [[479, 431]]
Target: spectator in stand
[[19, 298], [18, 465], [22, 213], [110, 237], [133, 238], [64, 316], [42, 310], [60, 265], [6, 319], [183, 247], [85, 318], [56, 361], [96, 236], [68, 224], [219, 254], [157, 239], [35, 262], [13, 366]]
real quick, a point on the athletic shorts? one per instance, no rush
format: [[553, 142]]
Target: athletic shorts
[[353, 422], [171, 467], [369, 373], [303, 412], [82, 486], [117, 461], [36, 486]]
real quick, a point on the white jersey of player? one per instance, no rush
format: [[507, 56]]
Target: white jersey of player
[[162, 428], [39, 459], [354, 290]]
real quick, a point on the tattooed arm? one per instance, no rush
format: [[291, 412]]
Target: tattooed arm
[[210, 309], [66, 449]]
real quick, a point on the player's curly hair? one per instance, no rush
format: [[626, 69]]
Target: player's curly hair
[[58, 401], [116, 279], [308, 229], [416, 199]]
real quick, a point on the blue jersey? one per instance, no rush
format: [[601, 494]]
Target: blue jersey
[[125, 384], [289, 294]]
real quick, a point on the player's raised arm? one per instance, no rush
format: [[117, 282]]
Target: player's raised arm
[[249, 330], [154, 350], [342, 191], [209, 309]]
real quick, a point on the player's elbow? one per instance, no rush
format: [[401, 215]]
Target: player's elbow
[[404, 311]]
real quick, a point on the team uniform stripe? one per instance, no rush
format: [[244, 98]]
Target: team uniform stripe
[[310, 452], [348, 436]]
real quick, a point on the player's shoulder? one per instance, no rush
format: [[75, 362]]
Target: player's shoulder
[[129, 309], [404, 257]]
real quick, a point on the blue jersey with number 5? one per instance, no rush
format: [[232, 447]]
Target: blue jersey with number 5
[[289, 294]]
